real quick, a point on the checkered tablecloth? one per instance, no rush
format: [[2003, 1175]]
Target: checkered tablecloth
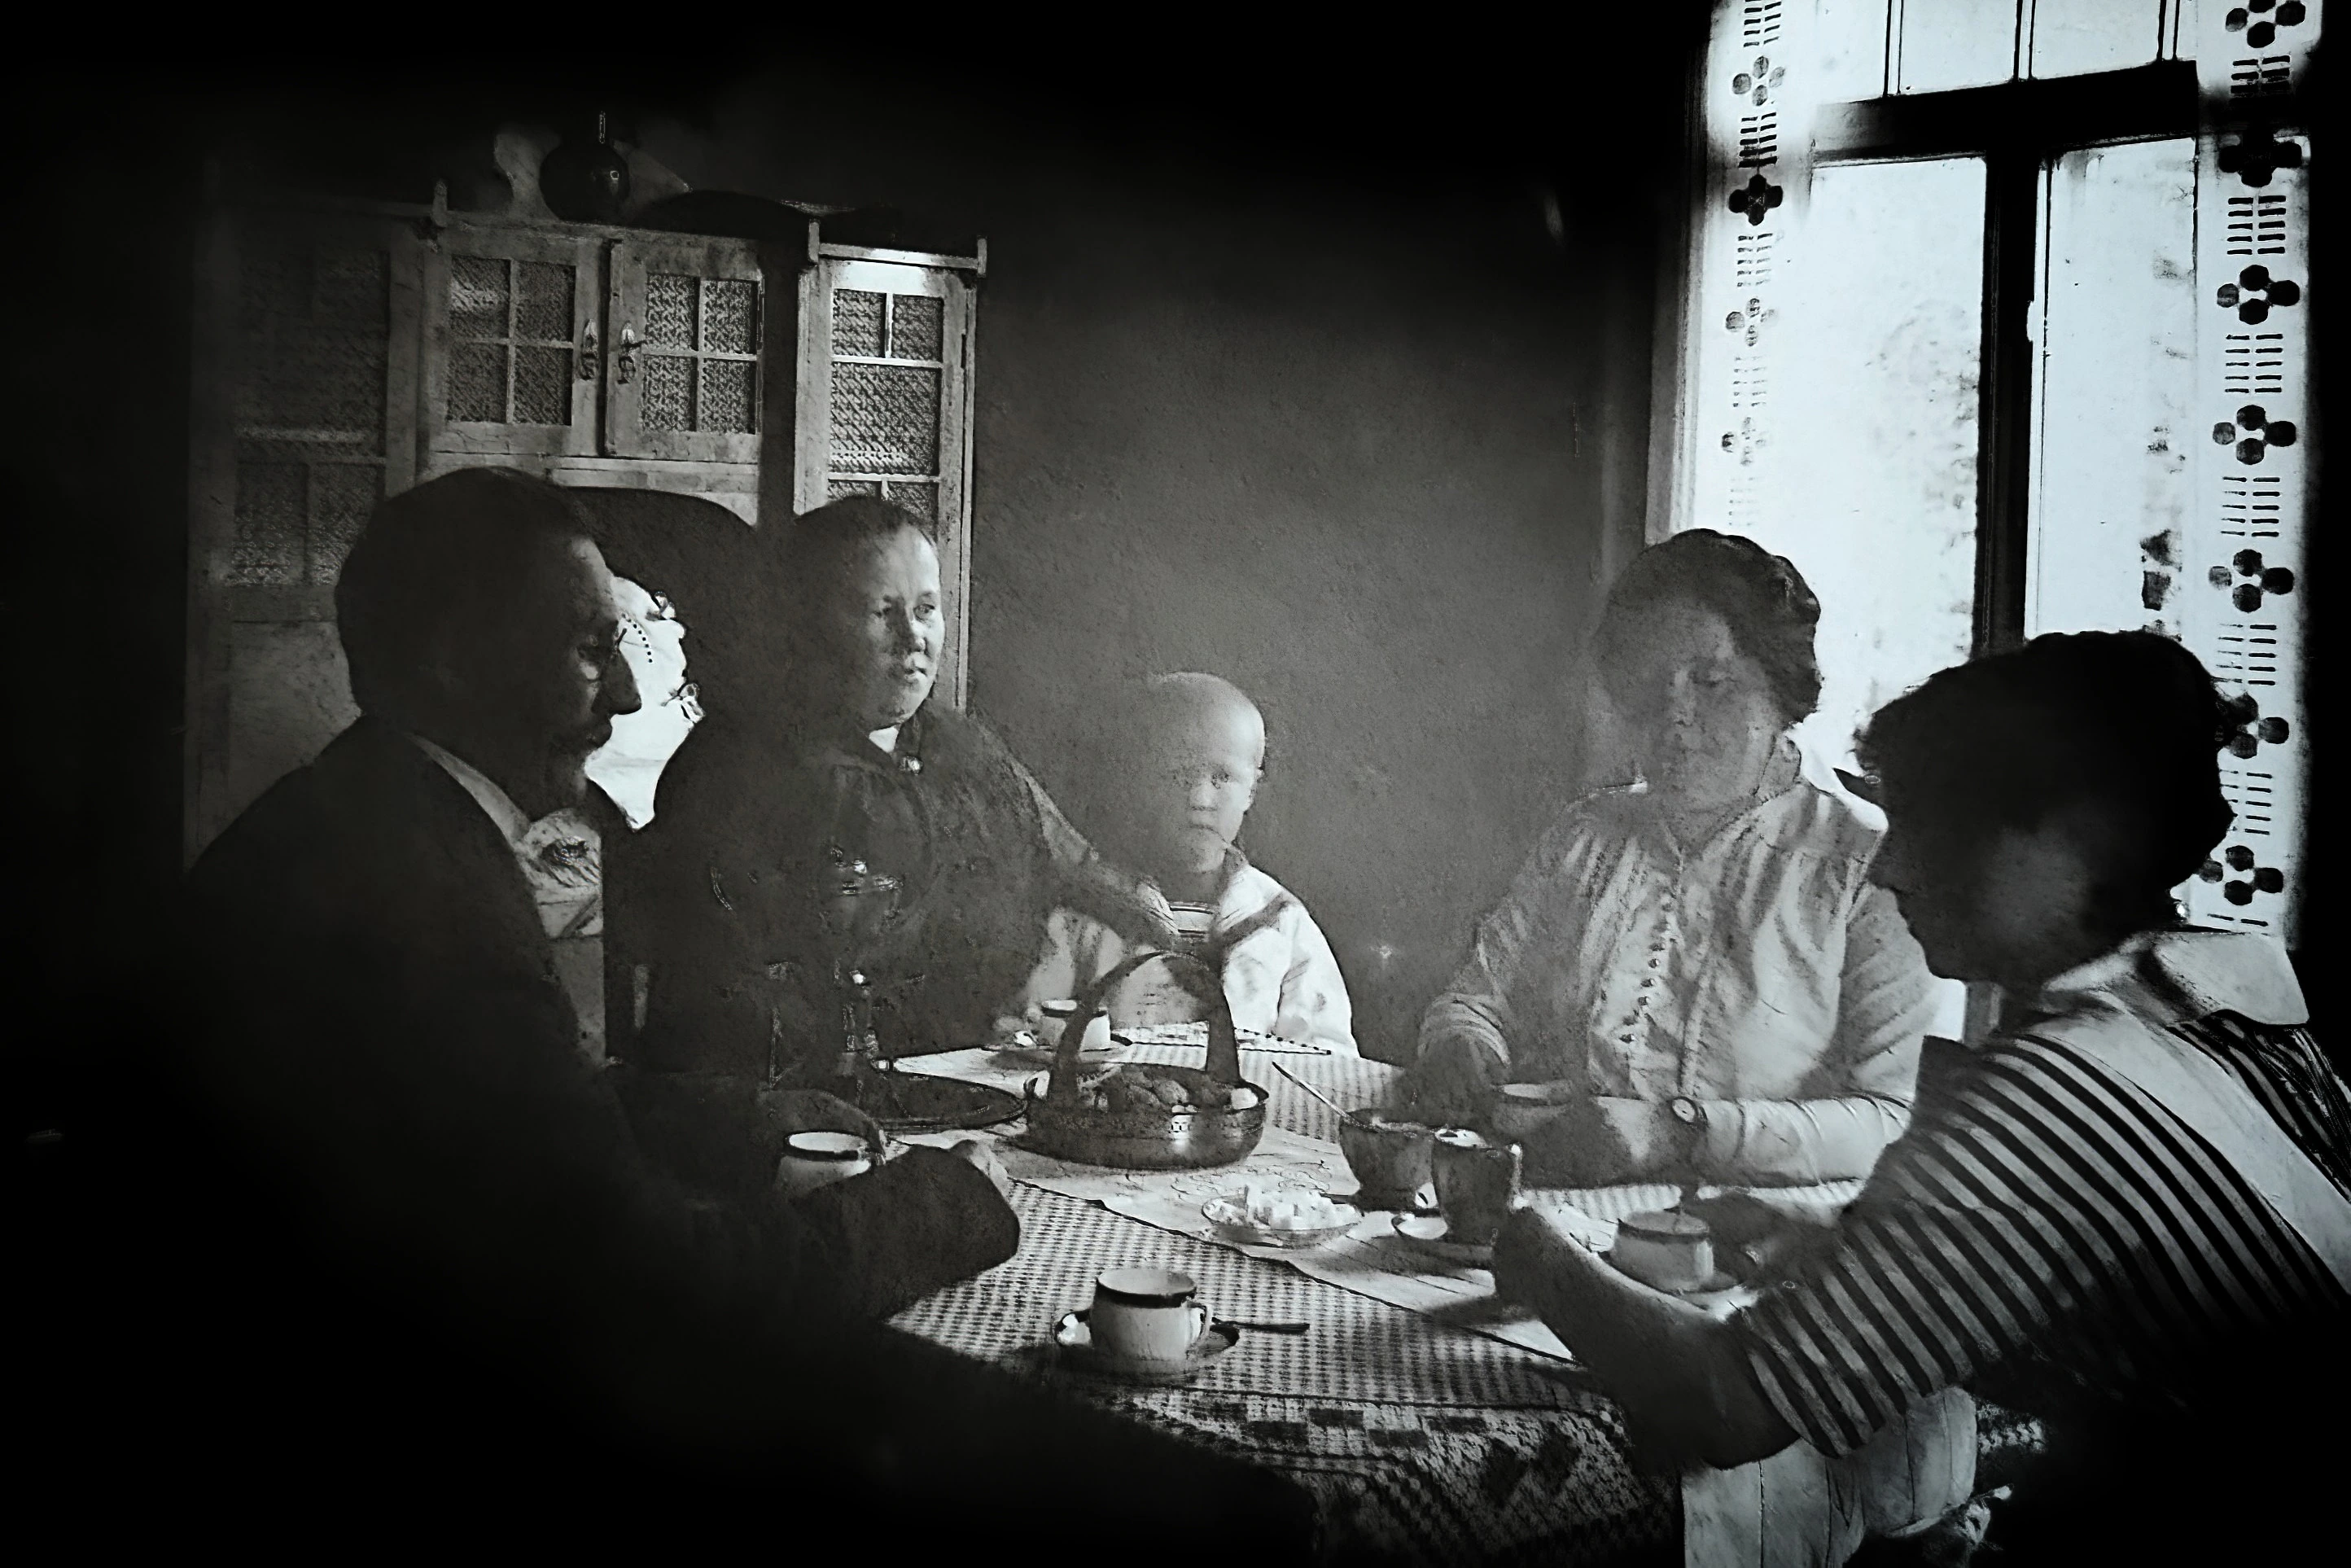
[[1415, 1434], [1411, 1435]]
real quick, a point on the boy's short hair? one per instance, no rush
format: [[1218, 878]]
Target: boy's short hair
[[1182, 695]]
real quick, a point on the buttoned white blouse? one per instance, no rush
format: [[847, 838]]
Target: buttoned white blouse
[[1758, 974]]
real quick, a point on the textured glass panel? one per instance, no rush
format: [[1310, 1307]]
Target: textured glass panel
[[837, 488], [856, 322], [477, 296], [316, 385], [353, 288], [267, 548], [477, 383], [1849, 46], [725, 395], [342, 497], [543, 302], [1877, 403], [669, 392], [730, 310], [921, 499], [2074, 36], [274, 280], [2114, 479], [916, 324], [542, 386], [669, 311], [885, 419], [315, 330], [1947, 44]]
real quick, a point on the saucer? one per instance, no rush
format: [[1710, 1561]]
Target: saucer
[[1076, 1344], [1428, 1233], [1715, 1283]]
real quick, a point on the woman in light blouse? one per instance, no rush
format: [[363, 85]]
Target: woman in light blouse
[[1696, 965]]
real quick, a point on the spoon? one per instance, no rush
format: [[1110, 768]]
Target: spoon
[[1268, 1328], [1344, 1114]]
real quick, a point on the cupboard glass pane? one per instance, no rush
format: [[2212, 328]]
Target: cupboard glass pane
[[2113, 483], [1876, 421]]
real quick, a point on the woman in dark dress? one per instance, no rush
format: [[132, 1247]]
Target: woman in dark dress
[[847, 762]]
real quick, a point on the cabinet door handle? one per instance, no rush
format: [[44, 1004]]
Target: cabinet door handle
[[625, 366], [588, 352]]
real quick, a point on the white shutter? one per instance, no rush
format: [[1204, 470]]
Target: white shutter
[[2244, 610]]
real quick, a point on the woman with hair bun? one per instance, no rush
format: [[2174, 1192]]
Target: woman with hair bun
[[1695, 967]]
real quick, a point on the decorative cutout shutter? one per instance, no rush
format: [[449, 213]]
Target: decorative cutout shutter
[[2243, 612]]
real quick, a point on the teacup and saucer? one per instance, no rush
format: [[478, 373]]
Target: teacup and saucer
[[1146, 1325]]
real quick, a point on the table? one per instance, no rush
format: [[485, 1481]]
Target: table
[[1412, 1434], [1424, 1419]]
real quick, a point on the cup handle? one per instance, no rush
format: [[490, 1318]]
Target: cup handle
[[1200, 1320]]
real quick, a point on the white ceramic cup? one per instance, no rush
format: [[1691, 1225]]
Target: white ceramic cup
[[813, 1160], [1146, 1314]]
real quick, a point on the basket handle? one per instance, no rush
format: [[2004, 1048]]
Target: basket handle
[[1224, 1065]]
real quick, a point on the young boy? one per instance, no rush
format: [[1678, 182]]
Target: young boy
[[1193, 764]]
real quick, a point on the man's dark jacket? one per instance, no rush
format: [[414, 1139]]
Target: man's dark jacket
[[409, 1225]]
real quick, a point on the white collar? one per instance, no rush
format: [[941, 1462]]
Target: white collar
[[501, 808], [2181, 974]]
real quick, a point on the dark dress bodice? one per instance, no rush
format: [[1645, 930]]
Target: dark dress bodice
[[723, 904]]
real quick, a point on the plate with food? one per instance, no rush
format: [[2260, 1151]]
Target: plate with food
[[1251, 1217]]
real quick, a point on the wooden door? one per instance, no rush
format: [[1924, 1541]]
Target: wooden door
[[687, 354], [513, 350]]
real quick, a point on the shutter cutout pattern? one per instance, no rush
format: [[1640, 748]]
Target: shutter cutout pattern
[[1753, 88], [2248, 599]]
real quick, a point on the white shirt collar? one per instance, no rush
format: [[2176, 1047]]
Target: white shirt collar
[[503, 811], [2184, 973]]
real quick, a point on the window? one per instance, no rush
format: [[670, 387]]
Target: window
[[1995, 326]]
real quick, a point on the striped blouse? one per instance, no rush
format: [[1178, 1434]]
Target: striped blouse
[[2056, 1235]]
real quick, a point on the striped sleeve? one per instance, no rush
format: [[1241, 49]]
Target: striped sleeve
[[2038, 1205]]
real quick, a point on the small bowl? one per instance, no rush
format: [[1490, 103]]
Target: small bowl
[[1246, 1233]]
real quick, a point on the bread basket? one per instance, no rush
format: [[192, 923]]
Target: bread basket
[[1064, 1125]]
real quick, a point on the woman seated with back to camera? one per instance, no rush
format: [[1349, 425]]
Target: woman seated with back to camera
[[2128, 1213], [1697, 966]]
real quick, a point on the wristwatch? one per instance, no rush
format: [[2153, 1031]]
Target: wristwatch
[[1692, 1116]]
